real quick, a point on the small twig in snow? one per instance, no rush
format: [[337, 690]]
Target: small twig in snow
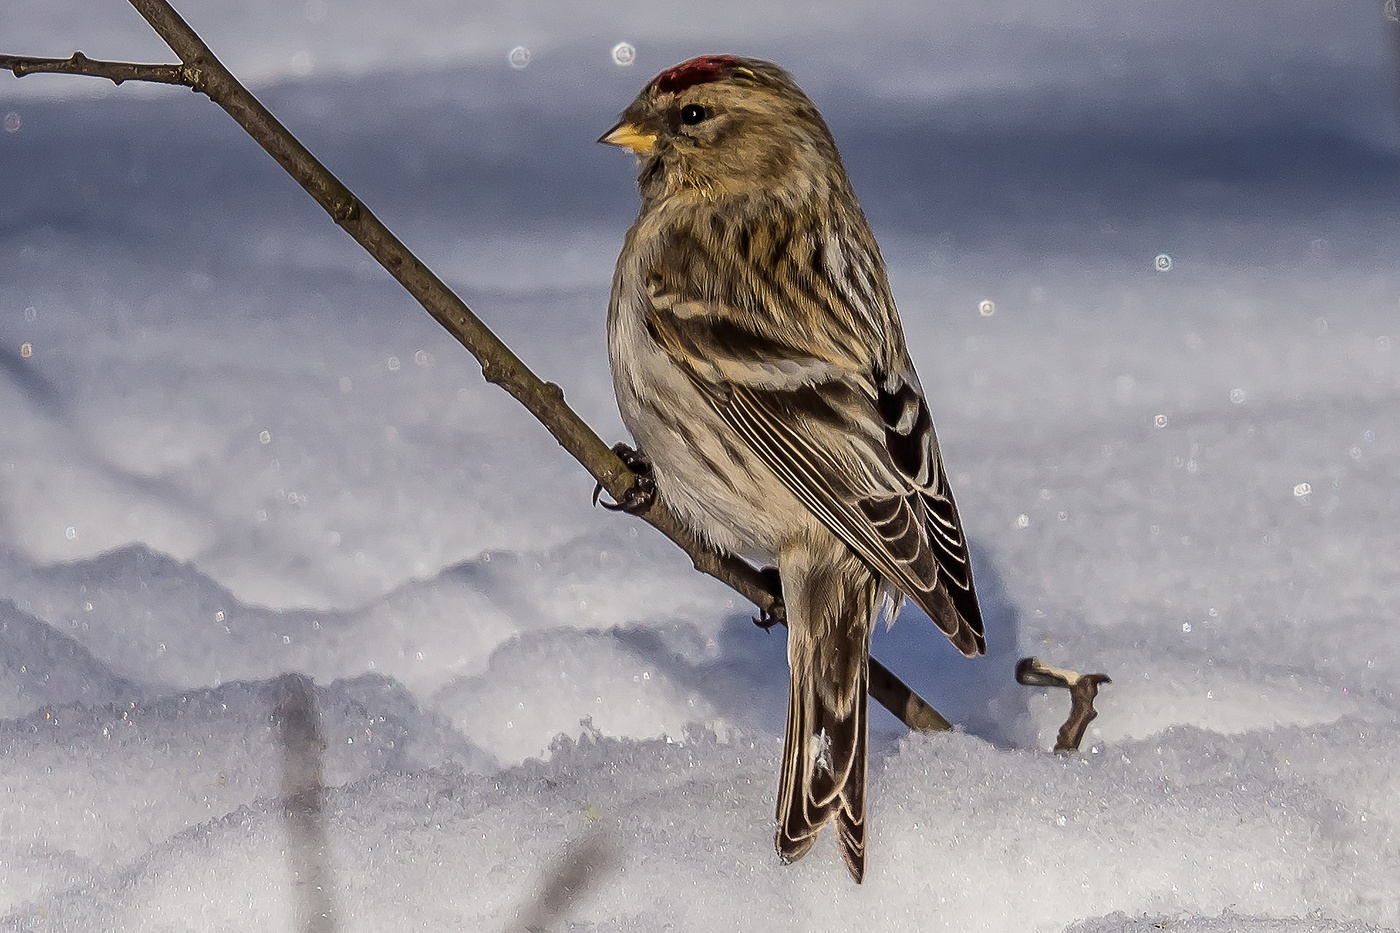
[[1082, 688]]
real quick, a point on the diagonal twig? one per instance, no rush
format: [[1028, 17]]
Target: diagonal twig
[[201, 71], [572, 877]]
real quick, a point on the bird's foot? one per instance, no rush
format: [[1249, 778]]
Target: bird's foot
[[775, 614], [642, 493]]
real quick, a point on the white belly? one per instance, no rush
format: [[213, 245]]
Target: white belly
[[705, 471]]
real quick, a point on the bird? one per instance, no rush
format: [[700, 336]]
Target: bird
[[760, 365]]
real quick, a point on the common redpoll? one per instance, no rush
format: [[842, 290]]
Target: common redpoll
[[760, 365]]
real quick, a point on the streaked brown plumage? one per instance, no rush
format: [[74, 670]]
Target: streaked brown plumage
[[760, 365]]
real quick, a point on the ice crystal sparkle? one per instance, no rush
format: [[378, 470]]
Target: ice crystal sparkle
[[624, 54]]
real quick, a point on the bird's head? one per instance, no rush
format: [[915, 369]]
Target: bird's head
[[720, 126]]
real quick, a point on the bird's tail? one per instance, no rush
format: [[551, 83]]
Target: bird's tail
[[831, 607]]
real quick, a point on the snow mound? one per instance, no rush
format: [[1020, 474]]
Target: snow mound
[[963, 835], [182, 760], [40, 666]]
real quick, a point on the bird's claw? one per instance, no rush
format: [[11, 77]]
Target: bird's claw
[[636, 461], [641, 494], [637, 499], [775, 614], [767, 618]]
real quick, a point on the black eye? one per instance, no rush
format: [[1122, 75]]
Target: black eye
[[692, 114]]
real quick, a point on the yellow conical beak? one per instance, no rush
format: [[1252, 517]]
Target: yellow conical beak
[[629, 136]]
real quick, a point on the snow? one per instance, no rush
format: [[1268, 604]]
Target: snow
[[231, 450]]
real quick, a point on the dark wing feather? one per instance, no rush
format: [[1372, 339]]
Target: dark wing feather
[[911, 536]]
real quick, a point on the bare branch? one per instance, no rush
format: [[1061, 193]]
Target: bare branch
[[899, 699], [80, 64], [202, 71], [1083, 688]]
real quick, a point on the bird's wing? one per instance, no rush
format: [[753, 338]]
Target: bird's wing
[[797, 372]]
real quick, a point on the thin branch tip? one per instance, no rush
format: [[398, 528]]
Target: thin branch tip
[[79, 64]]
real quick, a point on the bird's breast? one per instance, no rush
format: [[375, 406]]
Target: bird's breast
[[705, 472]]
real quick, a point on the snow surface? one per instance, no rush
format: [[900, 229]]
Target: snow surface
[[232, 449]]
